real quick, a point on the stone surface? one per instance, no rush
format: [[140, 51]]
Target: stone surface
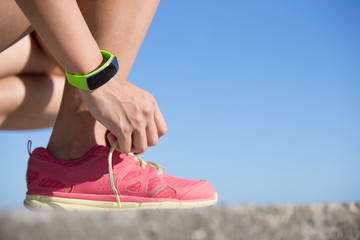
[[244, 222]]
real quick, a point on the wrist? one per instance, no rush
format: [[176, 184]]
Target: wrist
[[98, 77], [88, 65]]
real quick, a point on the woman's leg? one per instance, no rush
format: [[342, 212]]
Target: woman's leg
[[30, 90], [29, 101], [13, 24], [119, 26]]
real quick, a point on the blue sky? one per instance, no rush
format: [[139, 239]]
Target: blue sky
[[261, 98]]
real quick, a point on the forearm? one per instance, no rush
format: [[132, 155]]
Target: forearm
[[63, 29]]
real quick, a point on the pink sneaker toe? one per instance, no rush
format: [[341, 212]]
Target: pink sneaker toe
[[202, 191]]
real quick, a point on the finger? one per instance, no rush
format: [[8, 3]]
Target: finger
[[124, 140], [160, 122], [152, 134], [139, 141]]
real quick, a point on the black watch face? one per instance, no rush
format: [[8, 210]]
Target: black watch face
[[103, 76]]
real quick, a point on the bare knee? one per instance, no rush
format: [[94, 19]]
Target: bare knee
[[27, 56], [14, 59]]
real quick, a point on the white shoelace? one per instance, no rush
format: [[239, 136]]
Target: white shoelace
[[142, 162]]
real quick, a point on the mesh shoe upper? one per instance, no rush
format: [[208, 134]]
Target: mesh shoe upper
[[88, 178]]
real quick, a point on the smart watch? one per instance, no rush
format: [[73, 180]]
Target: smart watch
[[98, 77]]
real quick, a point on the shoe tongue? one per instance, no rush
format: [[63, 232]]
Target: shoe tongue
[[39, 152], [127, 157]]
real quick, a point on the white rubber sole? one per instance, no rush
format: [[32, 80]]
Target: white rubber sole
[[37, 202]]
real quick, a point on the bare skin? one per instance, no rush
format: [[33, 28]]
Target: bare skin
[[131, 114], [30, 87], [30, 102]]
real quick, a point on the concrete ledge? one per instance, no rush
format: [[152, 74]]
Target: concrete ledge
[[250, 222]]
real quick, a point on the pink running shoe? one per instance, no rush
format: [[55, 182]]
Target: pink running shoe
[[88, 183]]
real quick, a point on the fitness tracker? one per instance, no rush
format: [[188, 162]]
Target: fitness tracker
[[98, 77]]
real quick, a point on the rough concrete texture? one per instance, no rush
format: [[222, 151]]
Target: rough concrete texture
[[251, 222]]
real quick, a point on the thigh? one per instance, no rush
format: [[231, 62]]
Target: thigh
[[21, 51], [27, 56], [13, 24], [30, 101]]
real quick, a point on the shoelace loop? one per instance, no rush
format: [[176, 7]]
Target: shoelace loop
[[142, 162]]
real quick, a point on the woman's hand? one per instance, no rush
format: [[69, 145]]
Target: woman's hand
[[130, 113]]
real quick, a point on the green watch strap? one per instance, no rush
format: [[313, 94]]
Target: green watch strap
[[98, 77]]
